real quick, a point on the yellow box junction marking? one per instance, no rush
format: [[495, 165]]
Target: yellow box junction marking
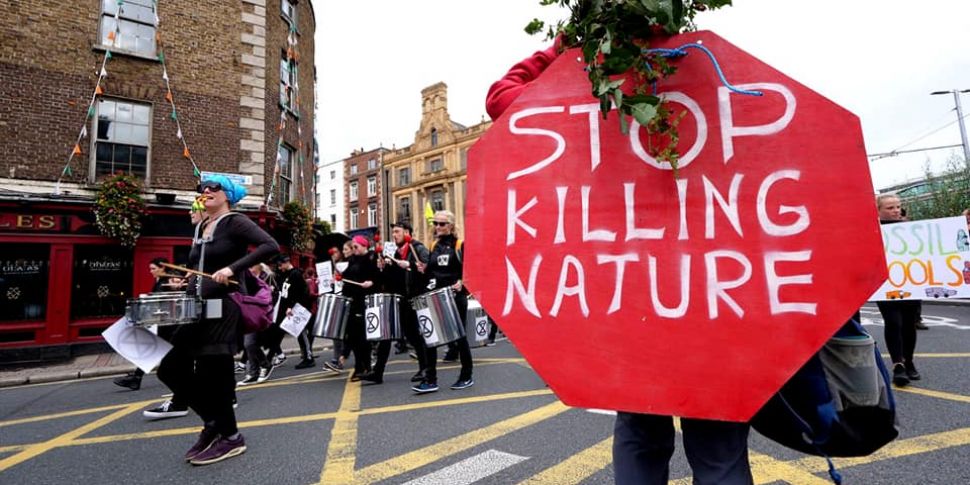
[[578, 467], [342, 447], [931, 393]]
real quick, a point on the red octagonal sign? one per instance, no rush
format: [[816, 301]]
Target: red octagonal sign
[[699, 294]]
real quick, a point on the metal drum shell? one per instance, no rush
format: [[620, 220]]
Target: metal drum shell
[[475, 311], [164, 309], [442, 320], [382, 317], [333, 311]]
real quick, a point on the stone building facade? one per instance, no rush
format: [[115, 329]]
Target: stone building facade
[[234, 68], [433, 169]]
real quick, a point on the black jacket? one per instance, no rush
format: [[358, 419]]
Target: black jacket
[[293, 290], [401, 281], [360, 269], [445, 262]]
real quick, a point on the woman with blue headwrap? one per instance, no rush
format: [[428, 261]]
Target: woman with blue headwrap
[[200, 365]]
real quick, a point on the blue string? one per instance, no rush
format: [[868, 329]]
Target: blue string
[[681, 51]]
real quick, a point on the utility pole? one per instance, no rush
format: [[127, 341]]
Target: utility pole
[[963, 128]]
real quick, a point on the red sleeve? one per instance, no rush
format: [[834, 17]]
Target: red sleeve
[[504, 91]]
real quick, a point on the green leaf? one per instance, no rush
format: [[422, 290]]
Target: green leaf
[[651, 5], [534, 27], [643, 98], [677, 12], [605, 86], [643, 113]]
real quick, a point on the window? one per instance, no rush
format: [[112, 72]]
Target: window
[[333, 174], [353, 218], [288, 72], [123, 138], [24, 272], [134, 31], [372, 215], [353, 169], [464, 158], [404, 176], [333, 196], [101, 282], [333, 221], [288, 9], [404, 209], [438, 200], [434, 137], [353, 191], [286, 174], [371, 164], [436, 165], [371, 186]]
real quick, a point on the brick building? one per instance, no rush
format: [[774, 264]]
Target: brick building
[[433, 169], [236, 68], [364, 189]]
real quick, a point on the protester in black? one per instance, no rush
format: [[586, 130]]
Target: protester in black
[[293, 291], [358, 281], [200, 365], [400, 276], [444, 269]]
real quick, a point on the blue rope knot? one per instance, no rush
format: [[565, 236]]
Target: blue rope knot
[[682, 51]]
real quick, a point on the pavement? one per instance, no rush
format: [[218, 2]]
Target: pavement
[[100, 365]]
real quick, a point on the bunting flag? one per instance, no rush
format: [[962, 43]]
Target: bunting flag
[[98, 90], [104, 72], [77, 149], [292, 93], [168, 96], [185, 152], [178, 134]]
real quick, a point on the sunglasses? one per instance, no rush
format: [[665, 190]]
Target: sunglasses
[[440, 224], [212, 186]]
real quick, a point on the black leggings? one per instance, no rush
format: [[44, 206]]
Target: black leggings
[[900, 318], [464, 351], [207, 383], [356, 342]]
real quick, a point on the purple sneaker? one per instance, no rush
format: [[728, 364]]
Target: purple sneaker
[[206, 438], [221, 449]]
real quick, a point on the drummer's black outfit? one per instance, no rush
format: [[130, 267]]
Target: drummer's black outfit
[[359, 269], [200, 366], [445, 269], [407, 284]]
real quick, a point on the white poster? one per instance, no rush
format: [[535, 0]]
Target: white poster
[[926, 260], [481, 329], [426, 326], [324, 277], [295, 323], [137, 344], [390, 249], [372, 320]]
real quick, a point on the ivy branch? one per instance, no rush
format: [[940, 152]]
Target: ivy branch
[[614, 36]]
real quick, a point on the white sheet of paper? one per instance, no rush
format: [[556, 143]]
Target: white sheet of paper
[[372, 322], [481, 329], [324, 277], [141, 347], [295, 324], [390, 249], [427, 328]]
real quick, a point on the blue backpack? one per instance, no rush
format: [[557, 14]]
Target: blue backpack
[[840, 403]]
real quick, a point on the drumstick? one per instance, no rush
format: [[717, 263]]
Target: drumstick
[[192, 271], [337, 277]]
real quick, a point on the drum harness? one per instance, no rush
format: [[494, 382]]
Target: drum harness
[[211, 311]]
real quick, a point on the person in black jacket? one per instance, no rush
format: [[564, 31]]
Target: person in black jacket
[[401, 277], [293, 290], [444, 269], [200, 364], [358, 281]]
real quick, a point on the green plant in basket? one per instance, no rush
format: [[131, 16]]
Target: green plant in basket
[[119, 208], [301, 225]]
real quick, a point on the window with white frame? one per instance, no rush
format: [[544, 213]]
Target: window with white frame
[[353, 190], [123, 138], [288, 70], [353, 169], [372, 164], [288, 9], [404, 176], [333, 174], [133, 31], [333, 221], [371, 186], [353, 218], [286, 174], [333, 196], [372, 215]]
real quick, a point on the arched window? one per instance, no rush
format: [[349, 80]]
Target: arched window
[[434, 137]]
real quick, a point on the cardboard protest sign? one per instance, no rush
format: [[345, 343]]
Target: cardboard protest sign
[[926, 260], [697, 294]]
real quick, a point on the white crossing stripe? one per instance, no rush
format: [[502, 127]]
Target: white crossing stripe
[[602, 411], [470, 470]]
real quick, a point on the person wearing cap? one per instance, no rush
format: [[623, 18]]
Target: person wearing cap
[[444, 269], [200, 364], [400, 276], [358, 281]]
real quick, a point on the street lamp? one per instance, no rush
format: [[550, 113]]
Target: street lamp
[[963, 129]]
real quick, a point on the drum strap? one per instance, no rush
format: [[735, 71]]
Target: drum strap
[[201, 241]]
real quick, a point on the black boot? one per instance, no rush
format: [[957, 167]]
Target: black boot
[[899, 375]]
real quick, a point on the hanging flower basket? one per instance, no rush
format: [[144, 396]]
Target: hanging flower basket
[[118, 209], [301, 226]]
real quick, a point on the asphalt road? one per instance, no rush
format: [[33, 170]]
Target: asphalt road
[[310, 426]]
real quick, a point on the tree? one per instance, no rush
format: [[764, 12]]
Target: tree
[[947, 194]]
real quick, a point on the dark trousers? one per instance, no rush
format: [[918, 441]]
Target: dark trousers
[[207, 383], [356, 342], [255, 357], [306, 341], [464, 352], [409, 325], [273, 339], [643, 444], [900, 318]]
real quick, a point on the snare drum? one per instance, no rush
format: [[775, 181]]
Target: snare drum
[[477, 323], [332, 313], [165, 308], [438, 317], [382, 317]]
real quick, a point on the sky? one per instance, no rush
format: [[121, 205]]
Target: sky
[[880, 59]]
